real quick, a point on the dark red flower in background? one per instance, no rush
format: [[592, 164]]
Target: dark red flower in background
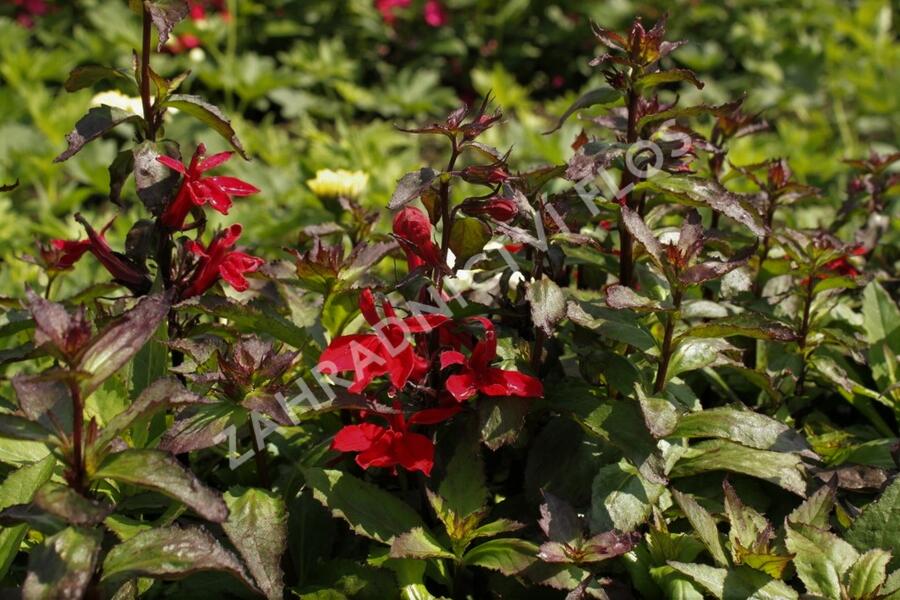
[[393, 445], [68, 252], [29, 9], [477, 376], [435, 14], [387, 7], [386, 352], [412, 230], [220, 260], [197, 190]]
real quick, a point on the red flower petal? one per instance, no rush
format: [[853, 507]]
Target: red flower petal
[[414, 452], [423, 323], [430, 416], [233, 186], [173, 164], [461, 386], [498, 382], [213, 161], [356, 438], [452, 357], [381, 453]]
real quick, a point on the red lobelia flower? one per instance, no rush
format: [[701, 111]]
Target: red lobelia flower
[[219, 260], [68, 252], [412, 230], [476, 374], [393, 445], [197, 190], [385, 352]]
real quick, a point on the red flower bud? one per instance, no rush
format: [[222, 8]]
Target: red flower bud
[[499, 209]]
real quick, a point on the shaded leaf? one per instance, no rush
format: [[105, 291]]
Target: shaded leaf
[[172, 553], [67, 504], [63, 565], [160, 471], [419, 544], [638, 228], [411, 186], [463, 488], [743, 426], [604, 95], [257, 526], [88, 75], [650, 80], [740, 583], [548, 304], [621, 498], [19, 488], [879, 524], [208, 114], [558, 521], [368, 510], [154, 182], [501, 419], [747, 324], [704, 526], [510, 556], [166, 14], [95, 123], [622, 297], [468, 237]]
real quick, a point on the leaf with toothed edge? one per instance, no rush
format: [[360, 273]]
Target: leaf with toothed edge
[[257, 526], [98, 121], [166, 14]]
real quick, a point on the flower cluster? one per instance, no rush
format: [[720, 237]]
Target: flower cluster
[[403, 351], [434, 13]]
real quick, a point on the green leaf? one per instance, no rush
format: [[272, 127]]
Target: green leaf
[[63, 565], [368, 510], [20, 428], [250, 318], [868, 574], [816, 509], [95, 123], [119, 171], [160, 471], [122, 339], [463, 487], [742, 426], [692, 355], [510, 556], [419, 544], [622, 297], [741, 583], [784, 470], [604, 95], [501, 419], [411, 186], [257, 526], [650, 80], [88, 75], [19, 488], [166, 14], [621, 498], [67, 504], [209, 114], [879, 525], [881, 321], [468, 237], [747, 325], [548, 304], [172, 553], [163, 393], [746, 523], [704, 526], [820, 557]]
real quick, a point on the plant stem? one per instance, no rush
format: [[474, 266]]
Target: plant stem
[[446, 217], [804, 332], [145, 76], [666, 354], [626, 251], [77, 436], [262, 460]]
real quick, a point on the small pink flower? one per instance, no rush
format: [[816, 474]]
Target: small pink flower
[[386, 8], [435, 14]]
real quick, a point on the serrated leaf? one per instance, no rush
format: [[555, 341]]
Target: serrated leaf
[[418, 544], [816, 509], [160, 471], [63, 565], [548, 304], [642, 233], [122, 339], [257, 526], [166, 14], [463, 487], [704, 526], [368, 510], [650, 80], [88, 75], [746, 523], [411, 186], [96, 122], [740, 583], [510, 556], [621, 498], [604, 95], [501, 419], [820, 557], [208, 114], [868, 574], [881, 321], [878, 526], [172, 553], [468, 236], [782, 469], [742, 426]]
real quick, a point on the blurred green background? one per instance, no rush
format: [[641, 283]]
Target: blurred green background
[[316, 84]]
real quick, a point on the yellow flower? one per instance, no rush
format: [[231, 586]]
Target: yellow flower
[[119, 100], [338, 184]]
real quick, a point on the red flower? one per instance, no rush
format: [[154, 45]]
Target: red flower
[[386, 352], [435, 14], [386, 8], [412, 230], [122, 269], [393, 445], [477, 375], [63, 254], [197, 190], [500, 209], [218, 260]]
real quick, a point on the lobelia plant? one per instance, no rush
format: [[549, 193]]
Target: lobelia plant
[[624, 375]]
